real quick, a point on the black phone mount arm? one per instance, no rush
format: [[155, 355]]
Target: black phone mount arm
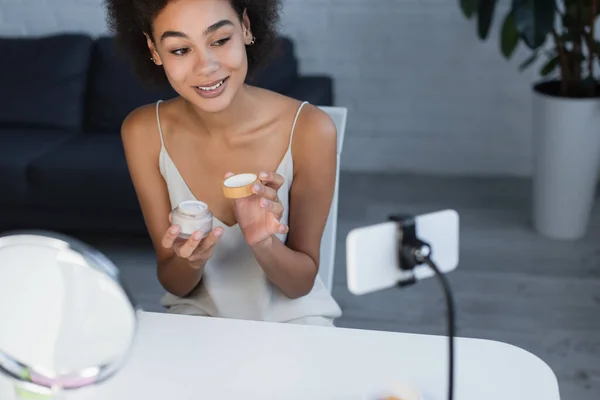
[[412, 251]]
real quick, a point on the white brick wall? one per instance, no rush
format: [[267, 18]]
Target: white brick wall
[[38, 17], [423, 93]]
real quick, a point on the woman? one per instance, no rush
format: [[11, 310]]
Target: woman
[[261, 259]]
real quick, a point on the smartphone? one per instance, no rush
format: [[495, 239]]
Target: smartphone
[[372, 262]]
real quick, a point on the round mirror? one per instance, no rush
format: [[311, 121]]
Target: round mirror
[[66, 319]]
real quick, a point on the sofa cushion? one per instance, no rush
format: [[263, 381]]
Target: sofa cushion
[[114, 89], [281, 70], [43, 81], [18, 148], [87, 172]]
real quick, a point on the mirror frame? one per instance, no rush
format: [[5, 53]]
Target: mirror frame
[[27, 375]]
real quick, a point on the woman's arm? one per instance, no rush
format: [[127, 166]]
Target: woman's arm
[[293, 266], [142, 146]]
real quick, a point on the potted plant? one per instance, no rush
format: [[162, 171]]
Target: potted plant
[[566, 102]]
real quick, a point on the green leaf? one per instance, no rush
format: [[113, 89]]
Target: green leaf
[[469, 7], [509, 37], [549, 66], [485, 15], [528, 62], [534, 20]]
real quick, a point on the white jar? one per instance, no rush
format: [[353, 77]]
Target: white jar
[[192, 216]]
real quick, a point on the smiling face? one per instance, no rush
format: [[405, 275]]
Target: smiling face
[[201, 45]]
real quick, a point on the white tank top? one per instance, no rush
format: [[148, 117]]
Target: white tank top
[[233, 283]]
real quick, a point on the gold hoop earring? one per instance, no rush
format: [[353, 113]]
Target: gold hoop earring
[[252, 41]]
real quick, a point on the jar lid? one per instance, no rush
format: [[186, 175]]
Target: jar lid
[[194, 209], [239, 186]]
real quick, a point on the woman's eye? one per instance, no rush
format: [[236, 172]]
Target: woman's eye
[[179, 52], [221, 42]]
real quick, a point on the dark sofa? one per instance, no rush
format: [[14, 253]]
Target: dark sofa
[[63, 99]]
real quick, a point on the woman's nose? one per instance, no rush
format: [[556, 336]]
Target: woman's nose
[[205, 63]]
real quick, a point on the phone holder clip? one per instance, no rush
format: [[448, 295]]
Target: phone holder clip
[[411, 250]]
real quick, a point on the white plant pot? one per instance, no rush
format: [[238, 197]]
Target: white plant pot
[[566, 163]]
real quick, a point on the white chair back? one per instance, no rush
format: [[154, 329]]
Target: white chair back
[[328, 241]]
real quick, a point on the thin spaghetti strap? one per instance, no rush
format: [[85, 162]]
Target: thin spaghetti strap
[[162, 143], [295, 120]]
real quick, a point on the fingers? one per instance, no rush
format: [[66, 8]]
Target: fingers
[[271, 179], [275, 207], [228, 174], [170, 236], [283, 228], [205, 249], [279, 227], [197, 247], [265, 191], [190, 245], [187, 248]]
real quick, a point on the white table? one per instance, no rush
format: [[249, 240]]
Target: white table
[[184, 357]]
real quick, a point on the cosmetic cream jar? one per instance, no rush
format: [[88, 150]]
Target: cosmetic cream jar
[[192, 216]]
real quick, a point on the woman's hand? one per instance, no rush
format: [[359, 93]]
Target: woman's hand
[[258, 215], [195, 249]]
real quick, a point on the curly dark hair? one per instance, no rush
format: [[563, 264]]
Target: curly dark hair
[[128, 20]]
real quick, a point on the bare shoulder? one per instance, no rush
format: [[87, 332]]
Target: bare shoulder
[[315, 134], [316, 124], [140, 127]]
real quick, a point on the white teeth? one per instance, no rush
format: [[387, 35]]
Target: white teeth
[[207, 88]]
